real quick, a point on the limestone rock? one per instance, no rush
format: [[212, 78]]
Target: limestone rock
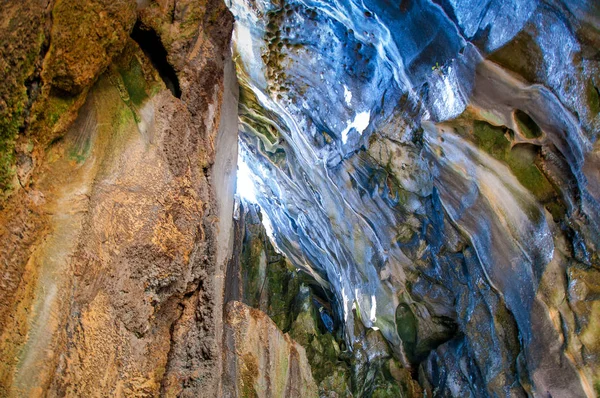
[[85, 37], [426, 162], [110, 262], [260, 360]]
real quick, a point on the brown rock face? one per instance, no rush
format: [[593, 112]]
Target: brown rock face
[[109, 258], [21, 40], [85, 36], [261, 361]]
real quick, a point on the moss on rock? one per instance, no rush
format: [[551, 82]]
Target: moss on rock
[[134, 81], [406, 324], [593, 97], [522, 162], [491, 139], [527, 125], [521, 55], [269, 281], [332, 374], [21, 41], [42, 99]]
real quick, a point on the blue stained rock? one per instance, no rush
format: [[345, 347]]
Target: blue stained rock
[[395, 167], [326, 318]]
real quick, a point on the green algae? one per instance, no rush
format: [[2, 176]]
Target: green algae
[[521, 55], [527, 125], [522, 159], [491, 139], [22, 42], [391, 390], [122, 117], [322, 350], [406, 325], [522, 162], [79, 153], [269, 282], [134, 81], [593, 97], [57, 105]]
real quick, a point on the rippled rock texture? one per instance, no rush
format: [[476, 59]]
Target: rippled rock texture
[[112, 237], [434, 166], [263, 278]]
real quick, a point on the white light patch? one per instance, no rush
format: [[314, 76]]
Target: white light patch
[[245, 184], [373, 317], [347, 95], [246, 190], [449, 101], [449, 95], [243, 41], [360, 123], [346, 301]]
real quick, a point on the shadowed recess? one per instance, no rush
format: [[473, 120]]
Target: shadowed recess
[[150, 43]]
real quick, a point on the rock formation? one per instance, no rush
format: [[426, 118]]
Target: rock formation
[[424, 214], [260, 360], [115, 188], [434, 166]]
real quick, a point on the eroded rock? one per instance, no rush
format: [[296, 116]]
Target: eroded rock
[[110, 256], [260, 360], [85, 37], [436, 194]]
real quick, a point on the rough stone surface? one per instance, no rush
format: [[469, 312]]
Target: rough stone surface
[[22, 38], [262, 278], [267, 279], [109, 252], [260, 360], [432, 167], [85, 37]]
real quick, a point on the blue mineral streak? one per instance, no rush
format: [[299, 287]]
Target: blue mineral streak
[[357, 204]]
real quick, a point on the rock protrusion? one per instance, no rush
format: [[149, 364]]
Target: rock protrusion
[[85, 37], [260, 360]]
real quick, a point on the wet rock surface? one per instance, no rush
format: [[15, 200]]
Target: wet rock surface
[[426, 173], [262, 277], [430, 165]]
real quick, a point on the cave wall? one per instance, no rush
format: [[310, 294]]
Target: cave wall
[[263, 278], [434, 166], [431, 167], [116, 196]]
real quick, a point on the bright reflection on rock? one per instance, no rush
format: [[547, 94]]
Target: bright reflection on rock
[[432, 167], [245, 185], [360, 123], [246, 190]]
